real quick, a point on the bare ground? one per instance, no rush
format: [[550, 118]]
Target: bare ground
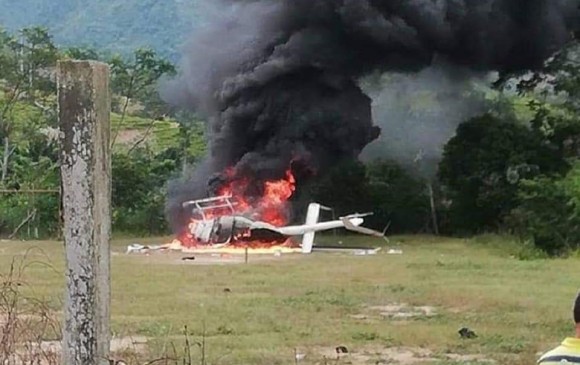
[[394, 311], [180, 258], [390, 355]]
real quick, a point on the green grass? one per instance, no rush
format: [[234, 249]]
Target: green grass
[[516, 307], [160, 134]]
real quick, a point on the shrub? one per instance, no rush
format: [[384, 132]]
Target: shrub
[[548, 213], [482, 166], [381, 187]]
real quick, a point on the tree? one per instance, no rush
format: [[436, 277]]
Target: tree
[[38, 57], [12, 90], [81, 53], [191, 139], [28, 154], [397, 198], [547, 205], [483, 164], [136, 80], [548, 212], [25, 68], [138, 190], [343, 188], [554, 98]]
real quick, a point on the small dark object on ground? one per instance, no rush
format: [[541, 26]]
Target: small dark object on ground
[[341, 350], [467, 333], [227, 290], [188, 258]]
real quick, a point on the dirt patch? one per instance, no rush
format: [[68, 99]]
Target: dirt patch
[[469, 358], [170, 257], [388, 355], [396, 312], [137, 344], [129, 136], [21, 318], [49, 352], [404, 311]]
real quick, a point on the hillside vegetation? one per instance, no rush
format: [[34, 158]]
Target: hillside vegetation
[[151, 143], [108, 25], [513, 168]]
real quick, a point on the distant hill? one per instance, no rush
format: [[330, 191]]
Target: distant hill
[[110, 25]]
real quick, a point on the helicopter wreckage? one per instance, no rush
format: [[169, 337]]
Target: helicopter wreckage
[[215, 225]]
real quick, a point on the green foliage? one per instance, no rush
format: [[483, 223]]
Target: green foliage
[[343, 188], [548, 213], [33, 167], [383, 187], [137, 78], [482, 165], [81, 53], [25, 59], [397, 198], [136, 81], [507, 168], [138, 191], [508, 245], [152, 143]]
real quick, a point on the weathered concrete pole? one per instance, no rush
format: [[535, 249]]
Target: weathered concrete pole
[[84, 116]]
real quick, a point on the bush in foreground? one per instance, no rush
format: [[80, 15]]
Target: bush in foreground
[[549, 213]]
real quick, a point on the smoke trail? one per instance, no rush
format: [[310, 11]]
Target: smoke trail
[[419, 112], [277, 80]]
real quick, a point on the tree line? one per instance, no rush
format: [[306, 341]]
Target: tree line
[[151, 143], [500, 173], [512, 170]]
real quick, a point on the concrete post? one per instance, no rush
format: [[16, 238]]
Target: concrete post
[[84, 116]]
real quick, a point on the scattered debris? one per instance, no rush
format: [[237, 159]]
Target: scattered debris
[[467, 333], [393, 251], [367, 252], [188, 258], [298, 356], [139, 248]]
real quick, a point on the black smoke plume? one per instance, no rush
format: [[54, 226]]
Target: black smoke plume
[[277, 80]]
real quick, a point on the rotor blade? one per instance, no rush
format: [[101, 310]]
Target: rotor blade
[[351, 227], [358, 215]]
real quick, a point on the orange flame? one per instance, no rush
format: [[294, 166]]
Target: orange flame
[[271, 207], [276, 194]]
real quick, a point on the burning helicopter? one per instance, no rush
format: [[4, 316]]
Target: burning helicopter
[[216, 224]]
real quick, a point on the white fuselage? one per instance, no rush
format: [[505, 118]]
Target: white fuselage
[[316, 227], [231, 228]]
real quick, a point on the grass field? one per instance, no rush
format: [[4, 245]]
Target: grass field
[[309, 305]]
